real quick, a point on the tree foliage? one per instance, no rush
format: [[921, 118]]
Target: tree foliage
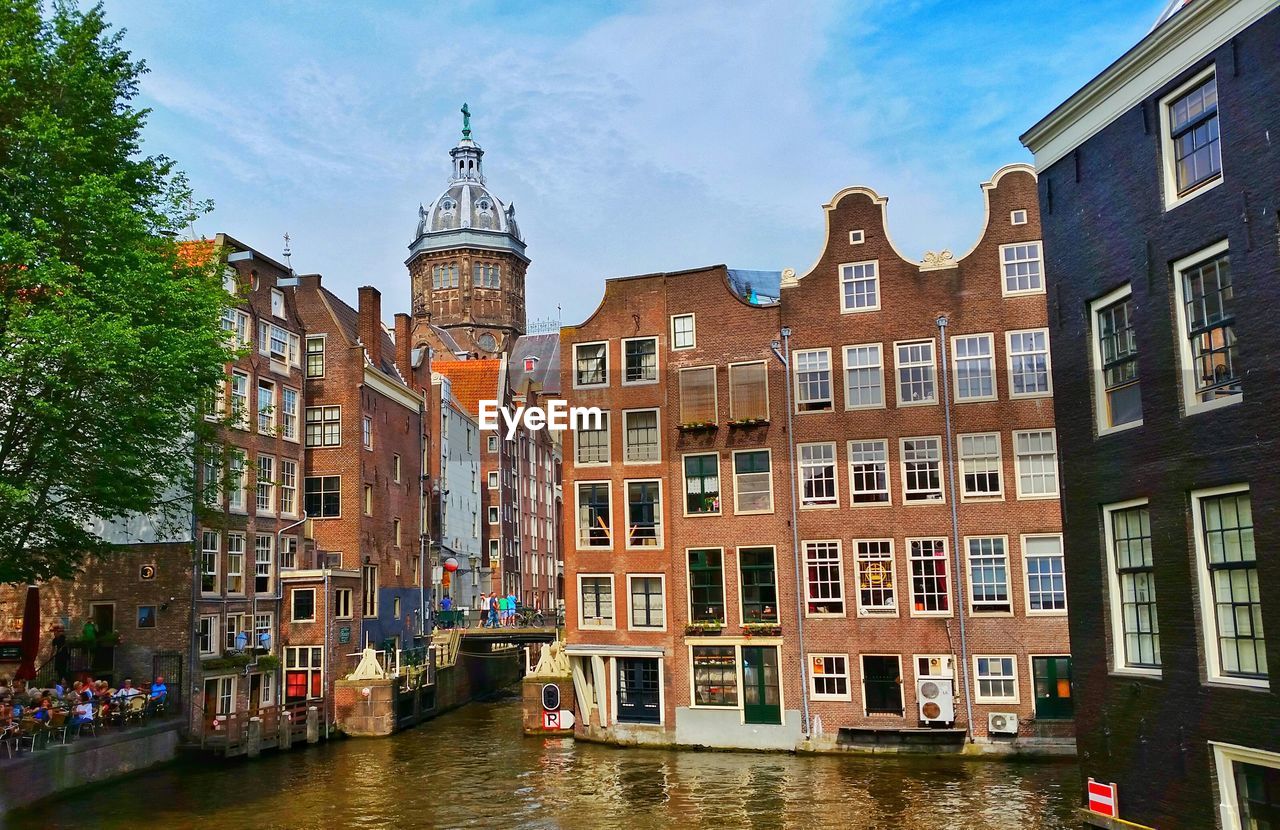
[[109, 337]]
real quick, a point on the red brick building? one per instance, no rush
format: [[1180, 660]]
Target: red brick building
[[365, 432], [925, 539]]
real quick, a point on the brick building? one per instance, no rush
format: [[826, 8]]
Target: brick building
[[926, 539], [365, 434], [1159, 203], [455, 499]]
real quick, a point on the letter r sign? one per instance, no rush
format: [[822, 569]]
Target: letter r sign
[[551, 720]]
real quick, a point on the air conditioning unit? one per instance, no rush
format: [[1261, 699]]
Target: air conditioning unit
[[935, 700], [1002, 723]]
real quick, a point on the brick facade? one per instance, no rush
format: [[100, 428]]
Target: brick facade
[[728, 331], [1155, 700]]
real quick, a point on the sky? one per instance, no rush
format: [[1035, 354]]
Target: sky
[[631, 137]]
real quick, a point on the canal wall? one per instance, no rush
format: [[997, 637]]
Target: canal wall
[[34, 776], [477, 674]]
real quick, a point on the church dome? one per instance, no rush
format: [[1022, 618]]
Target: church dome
[[466, 213]]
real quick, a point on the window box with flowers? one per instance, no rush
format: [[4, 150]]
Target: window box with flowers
[[703, 629], [746, 423], [761, 629], [700, 426]]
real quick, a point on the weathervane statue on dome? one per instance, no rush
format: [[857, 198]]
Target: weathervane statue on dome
[[466, 122]]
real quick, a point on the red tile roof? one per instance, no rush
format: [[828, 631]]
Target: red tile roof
[[196, 251], [472, 381]]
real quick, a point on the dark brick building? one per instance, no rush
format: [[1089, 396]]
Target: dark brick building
[[917, 581], [1158, 193]]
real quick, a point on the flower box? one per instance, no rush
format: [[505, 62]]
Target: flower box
[[762, 629], [703, 629], [700, 426], [750, 422]]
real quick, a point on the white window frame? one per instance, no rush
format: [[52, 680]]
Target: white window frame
[[814, 694], [1017, 466], [973, 608], [1205, 592], [662, 581], [888, 474], [846, 272], [492, 515], [684, 481], [950, 593], [293, 606], [366, 433], [991, 365], [878, 367], [660, 529], [613, 599], [605, 383], [1026, 574], [834, 500], [215, 643], [291, 422], [1048, 363], [892, 565], [323, 422], [729, 381], [1101, 415], [898, 365], [657, 361], [1225, 756], [491, 479], [277, 303], [626, 415], [829, 400], [902, 470], [1018, 217], [688, 582], [675, 347], [839, 581], [978, 697], [1169, 173], [307, 353], [965, 495], [1004, 279], [1186, 361], [857, 237], [734, 472], [862, 683]]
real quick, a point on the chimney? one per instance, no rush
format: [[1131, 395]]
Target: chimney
[[369, 327], [404, 348]]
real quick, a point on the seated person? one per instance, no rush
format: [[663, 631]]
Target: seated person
[[45, 713], [126, 692], [84, 710], [158, 689]]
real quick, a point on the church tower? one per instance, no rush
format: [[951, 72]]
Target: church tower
[[467, 262]]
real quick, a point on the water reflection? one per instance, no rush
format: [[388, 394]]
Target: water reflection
[[472, 768]]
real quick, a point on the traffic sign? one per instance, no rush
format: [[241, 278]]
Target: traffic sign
[[1103, 799]]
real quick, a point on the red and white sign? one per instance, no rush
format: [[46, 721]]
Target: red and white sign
[[551, 720], [1103, 799]]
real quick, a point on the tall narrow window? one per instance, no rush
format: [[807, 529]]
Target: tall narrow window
[[1023, 272], [289, 413], [818, 475], [1037, 454], [210, 553], [916, 373], [640, 360], [752, 482], [748, 392], [597, 601], [980, 465], [975, 366], [1211, 369], [813, 380], [875, 576], [1134, 623], [759, 585], [1117, 391], [863, 377], [594, 519], [824, 579], [989, 575], [236, 480], [1029, 363], [706, 585], [869, 472], [263, 548], [366, 432], [240, 400], [698, 395], [702, 484], [1046, 576], [859, 286], [235, 563], [644, 514], [640, 436], [590, 442], [1193, 141], [715, 675], [266, 486], [921, 469], [930, 593], [591, 364], [647, 606], [315, 357], [682, 331], [1230, 598]]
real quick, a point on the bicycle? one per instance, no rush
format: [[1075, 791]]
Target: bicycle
[[529, 618]]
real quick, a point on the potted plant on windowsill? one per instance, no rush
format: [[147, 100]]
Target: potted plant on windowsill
[[749, 422], [703, 628], [699, 426], [762, 629]]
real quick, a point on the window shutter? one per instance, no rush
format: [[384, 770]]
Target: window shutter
[[698, 395], [748, 397]]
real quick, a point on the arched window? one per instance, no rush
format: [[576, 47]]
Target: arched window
[[436, 271], [453, 274]]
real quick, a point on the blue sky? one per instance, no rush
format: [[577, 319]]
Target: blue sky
[[632, 137]]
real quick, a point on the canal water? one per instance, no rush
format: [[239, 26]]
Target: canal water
[[473, 768]]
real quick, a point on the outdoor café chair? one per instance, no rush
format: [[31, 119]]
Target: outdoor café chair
[[59, 726], [134, 709], [90, 726], [32, 731]]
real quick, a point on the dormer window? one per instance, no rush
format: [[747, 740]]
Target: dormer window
[[483, 205], [530, 363], [448, 205]]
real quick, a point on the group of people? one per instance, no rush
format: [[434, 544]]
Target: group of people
[[83, 701], [497, 611]]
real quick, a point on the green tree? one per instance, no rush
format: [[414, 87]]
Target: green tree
[[109, 332]]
